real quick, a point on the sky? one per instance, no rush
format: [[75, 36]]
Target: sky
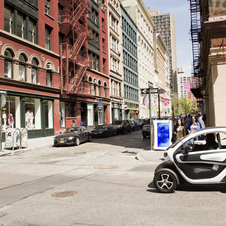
[[179, 9]]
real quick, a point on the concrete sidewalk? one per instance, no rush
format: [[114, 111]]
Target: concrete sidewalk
[[149, 156], [41, 142]]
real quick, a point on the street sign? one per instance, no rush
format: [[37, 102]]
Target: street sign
[[161, 91], [146, 90]]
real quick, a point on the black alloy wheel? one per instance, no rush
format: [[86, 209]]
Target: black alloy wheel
[[77, 141], [165, 182]]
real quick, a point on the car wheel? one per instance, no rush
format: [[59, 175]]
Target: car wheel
[[165, 181], [144, 136], [130, 130], [90, 138], [77, 141]]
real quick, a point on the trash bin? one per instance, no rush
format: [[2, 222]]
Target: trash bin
[[12, 138], [23, 138]]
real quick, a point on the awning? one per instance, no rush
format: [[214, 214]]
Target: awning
[[197, 93]]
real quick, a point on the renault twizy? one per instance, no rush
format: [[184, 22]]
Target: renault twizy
[[199, 158]]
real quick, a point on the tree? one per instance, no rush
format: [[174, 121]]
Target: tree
[[186, 106]]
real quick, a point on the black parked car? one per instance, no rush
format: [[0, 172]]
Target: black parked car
[[134, 125], [104, 131], [73, 136], [142, 122], [122, 126]]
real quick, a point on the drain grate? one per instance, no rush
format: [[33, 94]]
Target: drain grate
[[63, 194], [106, 167]]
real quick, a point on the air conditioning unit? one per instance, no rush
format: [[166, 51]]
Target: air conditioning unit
[[49, 66]]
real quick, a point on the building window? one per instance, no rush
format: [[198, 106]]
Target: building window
[[48, 114], [99, 88], [103, 43], [90, 114], [47, 7], [22, 67], [31, 31], [48, 78], [32, 2], [104, 65], [34, 71], [62, 114], [32, 113], [8, 64], [102, 24], [8, 20], [47, 39], [21, 26], [105, 89]]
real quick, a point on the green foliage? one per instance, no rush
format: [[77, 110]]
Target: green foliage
[[186, 106]]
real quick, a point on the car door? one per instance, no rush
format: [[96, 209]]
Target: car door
[[81, 134], [86, 134], [200, 162]]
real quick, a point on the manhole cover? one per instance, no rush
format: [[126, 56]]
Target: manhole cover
[[63, 194], [106, 167], [80, 153]]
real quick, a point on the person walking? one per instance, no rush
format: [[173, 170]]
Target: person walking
[[200, 121], [193, 125], [178, 131]]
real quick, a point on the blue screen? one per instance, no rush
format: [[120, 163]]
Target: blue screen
[[163, 134]]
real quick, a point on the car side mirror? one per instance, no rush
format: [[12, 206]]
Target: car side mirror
[[187, 149]]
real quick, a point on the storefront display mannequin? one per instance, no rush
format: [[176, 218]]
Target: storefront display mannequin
[[28, 119], [4, 120], [32, 119], [11, 121]]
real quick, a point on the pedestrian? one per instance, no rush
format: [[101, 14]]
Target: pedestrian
[[200, 121], [178, 131], [81, 123], [73, 123], [193, 125]]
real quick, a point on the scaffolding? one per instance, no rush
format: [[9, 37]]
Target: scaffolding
[[195, 33], [74, 57]]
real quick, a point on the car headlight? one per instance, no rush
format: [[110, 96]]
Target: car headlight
[[70, 138]]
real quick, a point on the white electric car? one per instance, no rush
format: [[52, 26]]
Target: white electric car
[[199, 158]]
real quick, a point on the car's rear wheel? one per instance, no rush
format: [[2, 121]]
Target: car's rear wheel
[[77, 141], [90, 138], [164, 181]]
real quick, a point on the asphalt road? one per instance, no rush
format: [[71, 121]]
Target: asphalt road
[[98, 183]]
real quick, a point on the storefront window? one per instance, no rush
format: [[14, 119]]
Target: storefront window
[[90, 114], [32, 113], [48, 114], [100, 117], [62, 114], [10, 112]]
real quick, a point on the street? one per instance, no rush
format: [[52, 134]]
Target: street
[[99, 183]]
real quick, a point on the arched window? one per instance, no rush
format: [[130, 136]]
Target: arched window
[[99, 85], [22, 67], [34, 71], [90, 85], [95, 86], [8, 64], [105, 89]]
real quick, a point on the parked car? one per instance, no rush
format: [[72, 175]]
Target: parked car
[[194, 161], [122, 126], [104, 131], [73, 136], [142, 122], [134, 125]]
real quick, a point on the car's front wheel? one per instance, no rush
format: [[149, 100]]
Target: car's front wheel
[[77, 141], [164, 181]]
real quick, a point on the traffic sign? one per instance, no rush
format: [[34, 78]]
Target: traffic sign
[[146, 90]]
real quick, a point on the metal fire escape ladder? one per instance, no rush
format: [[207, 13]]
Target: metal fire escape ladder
[[195, 32]]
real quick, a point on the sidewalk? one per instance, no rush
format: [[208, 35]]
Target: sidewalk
[[32, 144], [149, 156]]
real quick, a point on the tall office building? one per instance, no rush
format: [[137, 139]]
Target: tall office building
[[165, 25]]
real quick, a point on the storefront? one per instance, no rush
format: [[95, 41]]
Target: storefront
[[33, 112], [116, 111]]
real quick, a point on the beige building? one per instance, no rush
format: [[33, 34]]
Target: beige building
[[165, 25], [146, 74], [161, 63], [115, 59], [210, 57]]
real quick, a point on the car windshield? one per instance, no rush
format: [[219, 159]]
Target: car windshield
[[117, 123], [101, 127], [71, 130]]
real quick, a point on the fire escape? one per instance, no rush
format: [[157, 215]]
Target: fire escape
[[195, 37], [74, 57]]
